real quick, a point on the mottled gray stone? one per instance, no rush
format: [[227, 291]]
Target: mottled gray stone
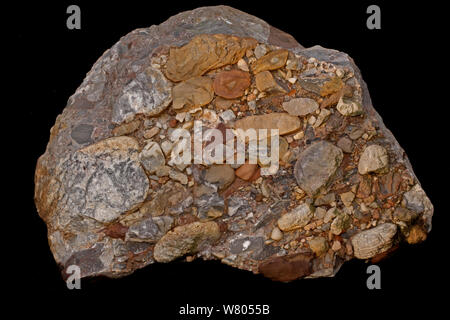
[[152, 157], [244, 244], [82, 133], [414, 199], [103, 180], [212, 201], [150, 229], [149, 94], [316, 165], [237, 206], [345, 144], [87, 260]]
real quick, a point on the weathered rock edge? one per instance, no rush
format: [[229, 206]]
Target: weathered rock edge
[[86, 118]]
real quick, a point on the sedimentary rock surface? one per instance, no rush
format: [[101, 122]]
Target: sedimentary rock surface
[[115, 196]]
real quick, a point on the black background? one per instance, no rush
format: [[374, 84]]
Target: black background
[[398, 63]]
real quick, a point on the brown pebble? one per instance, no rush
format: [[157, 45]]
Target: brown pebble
[[163, 180], [246, 171], [173, 123], [186, 218], [243, 108], [231, 84], [416, 235]]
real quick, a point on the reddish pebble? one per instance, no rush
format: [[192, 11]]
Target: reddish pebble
[[173, 123]]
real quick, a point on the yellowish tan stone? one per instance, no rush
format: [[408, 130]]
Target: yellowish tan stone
[[205, 52]]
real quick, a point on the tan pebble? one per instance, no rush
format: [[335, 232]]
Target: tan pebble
[[192, 93], [373, 159], [204, 53], [318, 245], [246, 171], [242, 65], [284, 122], [265, 82], [210, 115], [180, 116], [188, 125], [347, 198], [416, 235], [126, 128], [219, 255], [271, 61], [150, 133], [336, 246], [371, 242], [349, 248], [310, 226], [299, 135]]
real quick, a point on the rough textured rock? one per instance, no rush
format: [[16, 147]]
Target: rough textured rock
[[152, 157], [265, 82], [287, 268], [192, 93], [149, 93], [102, 180], [297, 218], [373, 159], [316, 165], [221, 175], [186, 239], [369, 243], [203, 53], [271, 61], [231, 84], [284, 122], [246, 171], [300, 106], [114, 199], [348, 107], [318, 245]]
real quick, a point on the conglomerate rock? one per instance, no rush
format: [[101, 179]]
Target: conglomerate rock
[[115, 198]]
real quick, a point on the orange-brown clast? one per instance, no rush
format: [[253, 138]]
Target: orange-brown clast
[[231, 84]]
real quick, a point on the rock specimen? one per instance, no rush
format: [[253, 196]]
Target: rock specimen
[[115, 198], [185, 239], [271, 61], [192, 93], [316, 165], [231, 84], [205, 52], [297, 218], [300, 106], [284, 122], [369, 243]]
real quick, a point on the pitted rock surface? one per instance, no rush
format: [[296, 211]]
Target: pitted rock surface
[[114, 199]]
